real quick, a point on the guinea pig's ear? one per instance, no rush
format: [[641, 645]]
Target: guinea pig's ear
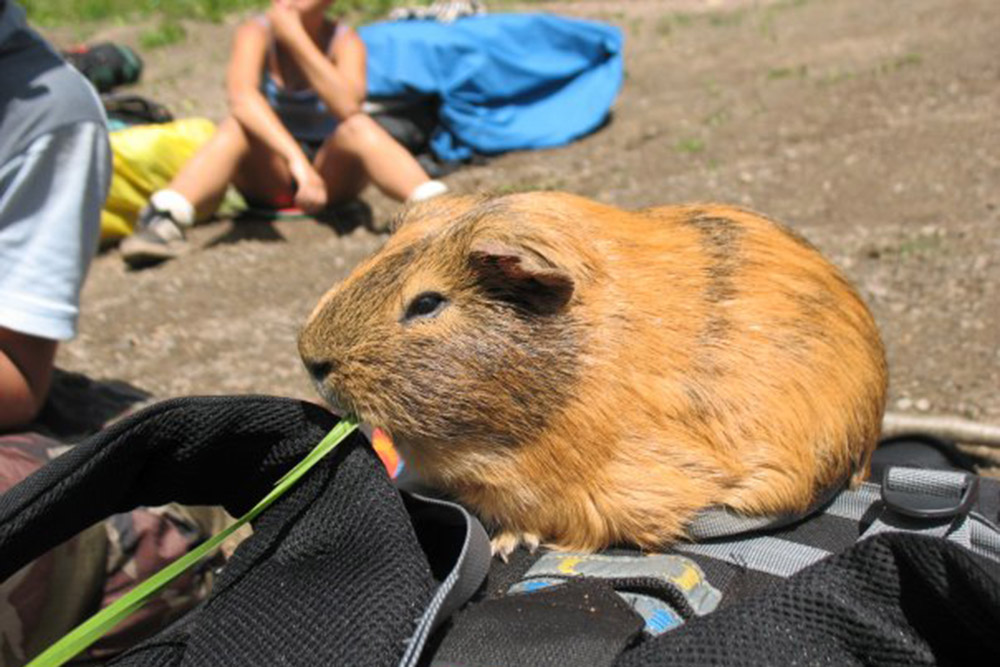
[[520, 276]]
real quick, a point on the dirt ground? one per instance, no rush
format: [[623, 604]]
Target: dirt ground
[[871, 127]]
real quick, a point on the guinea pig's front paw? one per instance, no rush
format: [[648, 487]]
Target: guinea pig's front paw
[[505, 542]]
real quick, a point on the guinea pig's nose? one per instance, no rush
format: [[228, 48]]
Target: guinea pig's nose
[[318, 368]]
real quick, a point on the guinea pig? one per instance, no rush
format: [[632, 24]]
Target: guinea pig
[[584, 376]]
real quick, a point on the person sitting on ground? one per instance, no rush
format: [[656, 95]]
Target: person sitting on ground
[[55, 169], [296, 135]]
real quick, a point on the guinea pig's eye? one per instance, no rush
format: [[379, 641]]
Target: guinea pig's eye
[[425, 304]]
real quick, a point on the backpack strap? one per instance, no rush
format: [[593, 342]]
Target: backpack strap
[[930, 502], [716, 522], [664, 589], [468, 567]]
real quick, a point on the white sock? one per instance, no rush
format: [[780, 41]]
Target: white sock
[[174, 203], [426, 191]]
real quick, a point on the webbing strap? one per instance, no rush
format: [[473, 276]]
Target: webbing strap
[[771, 555], [938, 483], [962, 533], [681, 576], [662, 588], [720, 522], [891, 522], [658, 616], [929, 494], [466, 576], [717, 522], [929, 502], [984, 537], [855, 503]]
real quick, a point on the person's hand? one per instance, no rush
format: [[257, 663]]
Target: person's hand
[[310, 190], [286, 22]]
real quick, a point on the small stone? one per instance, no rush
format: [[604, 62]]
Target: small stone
[[904, 404], [923, 404]]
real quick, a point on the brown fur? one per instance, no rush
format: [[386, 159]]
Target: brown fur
[[599, 375]]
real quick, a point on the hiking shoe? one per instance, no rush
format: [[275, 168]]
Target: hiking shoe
[[158, 239]]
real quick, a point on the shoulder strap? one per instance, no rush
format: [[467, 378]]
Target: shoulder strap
[[339, 30], [941, 503], [720, 522], [468, 567]]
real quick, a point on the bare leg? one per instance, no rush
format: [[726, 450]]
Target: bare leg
[[262, 176], [231, 155], [203, 179], [360, 151], [343, 172]]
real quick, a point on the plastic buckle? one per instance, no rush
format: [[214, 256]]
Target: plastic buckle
[[924, 503]]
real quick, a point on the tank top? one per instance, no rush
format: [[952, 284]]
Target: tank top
[[303, 113]]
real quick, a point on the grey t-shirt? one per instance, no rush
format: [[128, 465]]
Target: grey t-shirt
[[55, 169]]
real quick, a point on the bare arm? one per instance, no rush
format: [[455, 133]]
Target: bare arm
[[25, 375], [252, 111], [246, 102], [337, 77]]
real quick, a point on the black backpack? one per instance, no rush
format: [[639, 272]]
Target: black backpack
[[106, 65], [127, 110], [346, 569]]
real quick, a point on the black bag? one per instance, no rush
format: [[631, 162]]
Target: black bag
[[341, 570], [345, 569], [128, 110], [902, 571], [106, 65], [412, 123]]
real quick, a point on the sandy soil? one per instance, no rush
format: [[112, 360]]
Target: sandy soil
[[869, 127]]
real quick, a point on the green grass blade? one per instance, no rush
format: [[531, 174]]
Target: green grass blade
[[100, 623], [343, 428]]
